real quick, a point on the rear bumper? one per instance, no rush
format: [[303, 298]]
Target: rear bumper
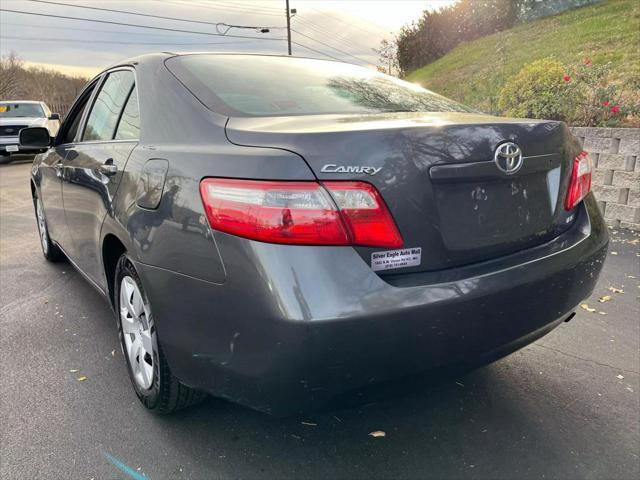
[[294, 327]]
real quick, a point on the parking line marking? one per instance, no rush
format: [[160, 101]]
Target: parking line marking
[[124, 468]]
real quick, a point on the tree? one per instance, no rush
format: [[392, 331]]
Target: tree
[[20, 82], [10, 72], [388, 58]]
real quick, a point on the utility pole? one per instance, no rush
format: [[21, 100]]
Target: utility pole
[[288, 28]]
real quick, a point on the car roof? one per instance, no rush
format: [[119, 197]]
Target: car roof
[[21, 101]]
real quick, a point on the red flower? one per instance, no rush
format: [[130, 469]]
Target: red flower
[[615, 109], [605, 103], [566, 78]]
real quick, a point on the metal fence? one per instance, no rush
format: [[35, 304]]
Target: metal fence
[[534, 9], [61, 108]]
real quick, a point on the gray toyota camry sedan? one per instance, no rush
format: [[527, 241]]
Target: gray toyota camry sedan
[[283, 231]]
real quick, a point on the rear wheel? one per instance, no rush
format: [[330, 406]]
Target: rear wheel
[[50, 250], [152, 380]]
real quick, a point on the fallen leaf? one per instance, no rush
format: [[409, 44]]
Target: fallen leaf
[[309, 424], [615, 290], [606, 298], [587, 307], [377, 434], [74, 371], [614, 253], [602, 313], [82, 379], [621, 377]]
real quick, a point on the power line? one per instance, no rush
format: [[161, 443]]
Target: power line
[[148, 15], [234, 9], [113, 32], [76, 40], [349, 23], [253, 7], [305, 22], [316, 51], [149, 27], [376, 25], [288, 13], [109, 22], [332, 47]]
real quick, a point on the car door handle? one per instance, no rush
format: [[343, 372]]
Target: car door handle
[[108, 168]]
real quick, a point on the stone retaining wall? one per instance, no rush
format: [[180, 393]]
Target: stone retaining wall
[[615, 153]]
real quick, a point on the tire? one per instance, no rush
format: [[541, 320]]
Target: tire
[[155, 386], [49, 249]]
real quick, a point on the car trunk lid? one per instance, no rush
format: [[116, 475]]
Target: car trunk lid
[[437, 174]]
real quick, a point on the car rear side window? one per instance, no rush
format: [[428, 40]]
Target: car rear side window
[[255, 86], [129, 125], [106, 110]]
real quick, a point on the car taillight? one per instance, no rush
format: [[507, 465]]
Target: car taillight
[[365, 213], [301, 213], [580, 183]]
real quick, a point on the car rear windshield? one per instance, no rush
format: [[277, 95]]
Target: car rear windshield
[[20, 110], [260, 86]]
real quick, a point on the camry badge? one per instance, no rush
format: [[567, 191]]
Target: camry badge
[[332, 168]]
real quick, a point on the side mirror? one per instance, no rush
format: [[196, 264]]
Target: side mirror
[[54, 116], [35, 137]]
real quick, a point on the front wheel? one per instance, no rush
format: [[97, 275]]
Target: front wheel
[[152, 380], [50, 250]]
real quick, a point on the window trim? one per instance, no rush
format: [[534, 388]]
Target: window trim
[[93, 85], [124, 107], [104, 76]]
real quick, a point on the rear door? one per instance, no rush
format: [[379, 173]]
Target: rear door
[[94, 166]]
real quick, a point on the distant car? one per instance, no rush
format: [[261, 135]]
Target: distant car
[[278, 231], [18, 114]]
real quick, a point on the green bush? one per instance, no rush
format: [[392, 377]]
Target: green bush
[[539, 90], [582, 94], [597, 100]]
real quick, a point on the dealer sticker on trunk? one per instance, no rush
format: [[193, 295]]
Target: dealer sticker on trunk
[[407, 257]]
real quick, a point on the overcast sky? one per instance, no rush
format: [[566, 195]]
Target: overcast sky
[[349, 29]]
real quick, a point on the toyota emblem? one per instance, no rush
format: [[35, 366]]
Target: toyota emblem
[[508, 158]]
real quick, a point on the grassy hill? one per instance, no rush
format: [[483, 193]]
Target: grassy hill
[[474, 72]]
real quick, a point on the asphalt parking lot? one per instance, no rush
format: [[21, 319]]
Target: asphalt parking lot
[[567, 406]]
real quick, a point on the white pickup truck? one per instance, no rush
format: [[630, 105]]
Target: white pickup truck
[[18, 114]]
